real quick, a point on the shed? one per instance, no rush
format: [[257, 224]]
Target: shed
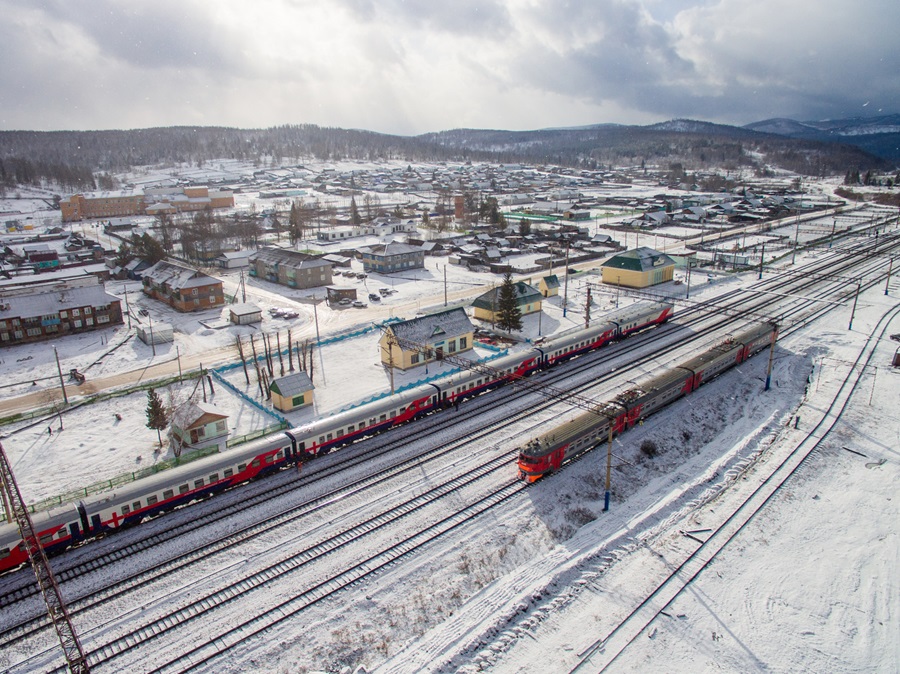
[[156, 333], [292, 391], [335, 294], [549, 286], [245, 314]]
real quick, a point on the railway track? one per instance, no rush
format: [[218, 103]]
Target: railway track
[[606, 650], [752, 305]]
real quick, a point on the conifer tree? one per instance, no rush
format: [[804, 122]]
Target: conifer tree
[[509, 316], [157, 416]]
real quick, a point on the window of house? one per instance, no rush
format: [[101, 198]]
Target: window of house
[[220, 425], [414, 359]]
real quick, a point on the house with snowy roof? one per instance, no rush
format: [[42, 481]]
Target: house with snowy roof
[[198, 424], [182, 288], [448, 332], [292, 391]]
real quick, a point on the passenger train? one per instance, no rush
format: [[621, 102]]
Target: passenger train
[[546, 453], [129, 504]]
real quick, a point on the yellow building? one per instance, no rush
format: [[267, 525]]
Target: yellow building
[[528, 299], [639, 268], [449, 332]]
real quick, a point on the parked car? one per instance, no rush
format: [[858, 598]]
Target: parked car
[[359, 304], [345, 302], [361, 274], [350, 274], [385, 291], [374, 298]]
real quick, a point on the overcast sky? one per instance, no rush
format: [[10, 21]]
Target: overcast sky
[[413, 66]]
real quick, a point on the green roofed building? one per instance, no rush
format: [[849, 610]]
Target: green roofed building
[[528, 299], [639, 268]]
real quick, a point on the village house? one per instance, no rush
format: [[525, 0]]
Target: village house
[[199, 424], [392, 257], [638, 268], [448, 332], [182, 288], [30, 314], [290, 268], [528, 299]]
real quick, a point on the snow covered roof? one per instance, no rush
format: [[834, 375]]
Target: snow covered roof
[[525, 294], [191, 414], [53, 301], [292, 384], [434, 327], [177, 277]]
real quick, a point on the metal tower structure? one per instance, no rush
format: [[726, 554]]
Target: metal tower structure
[[56, 607]]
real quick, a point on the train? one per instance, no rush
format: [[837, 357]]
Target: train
[[129, 504], [548, 452]]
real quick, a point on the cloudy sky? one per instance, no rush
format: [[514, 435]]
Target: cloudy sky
[[412, 66]]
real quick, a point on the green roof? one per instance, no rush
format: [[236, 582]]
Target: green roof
[[639, 259], [525, 294]]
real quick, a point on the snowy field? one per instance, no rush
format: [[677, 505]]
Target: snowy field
[[810, 584]]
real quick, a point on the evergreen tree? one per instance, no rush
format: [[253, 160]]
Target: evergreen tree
[[524, 227], [509, 316], [355, 217], [157, 417]]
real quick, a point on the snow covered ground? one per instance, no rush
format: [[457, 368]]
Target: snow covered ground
[[809, 585]]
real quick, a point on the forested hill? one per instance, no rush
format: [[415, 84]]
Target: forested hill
[[71, 158]]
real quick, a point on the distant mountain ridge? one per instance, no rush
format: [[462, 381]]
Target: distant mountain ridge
[[878, 135], [74, 158]]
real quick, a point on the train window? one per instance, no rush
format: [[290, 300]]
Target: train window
[[383, 417], [228, 472], [340, 432], [4, 552], [279, 454], [372, 421], [136, 505], [46, 538], [151, 500], [198, 483], [62, 532], [184, 489], [255, 463], [393, 414], [242, 467], [328, 438], [168, 493], [213, 478], [350, 428], [321, 439], [269, 459], [125, 510]]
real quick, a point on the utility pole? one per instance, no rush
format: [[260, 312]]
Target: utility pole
[[888, 279], [855, 298], [56, 607], [62, 383], [796, 238], [127, 309], [608, 464], [771, 358], [566, 288], [762, 259], [587, 309], [445, 285]]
